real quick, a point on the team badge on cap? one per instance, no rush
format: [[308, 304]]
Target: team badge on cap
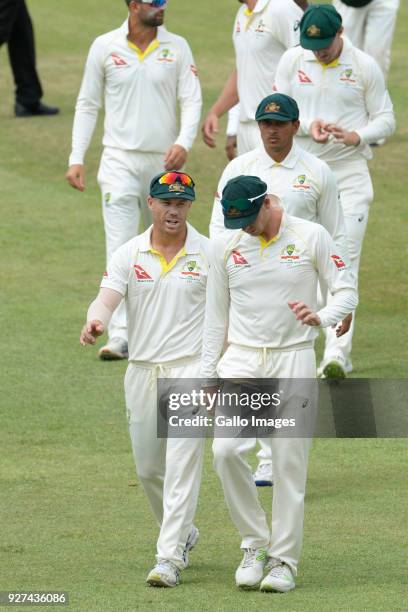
[[272, 108], [313, 31]]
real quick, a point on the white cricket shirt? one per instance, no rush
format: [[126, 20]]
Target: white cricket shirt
[[165, 302], [251, 282], [140, 93], [304, 184], [260, 38], [350, 92]]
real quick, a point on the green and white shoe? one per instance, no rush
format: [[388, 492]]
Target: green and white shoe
[[164, 574], [279, 579], [251, 569]]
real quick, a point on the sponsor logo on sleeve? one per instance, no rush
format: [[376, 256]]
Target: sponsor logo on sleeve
[[340, 265]]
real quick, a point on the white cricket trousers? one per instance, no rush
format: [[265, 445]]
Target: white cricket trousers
[[371, 28], [248, 137], [356, 194], [290, 459], [124, 179], [169, 470]]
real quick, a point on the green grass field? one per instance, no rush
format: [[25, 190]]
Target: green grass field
[[73, 515]]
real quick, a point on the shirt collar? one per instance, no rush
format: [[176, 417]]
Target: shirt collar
[[290, 160], [344, 57], [191, 245], [260, 5]]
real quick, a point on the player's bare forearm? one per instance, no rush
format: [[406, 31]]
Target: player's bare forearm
[[227, 99]]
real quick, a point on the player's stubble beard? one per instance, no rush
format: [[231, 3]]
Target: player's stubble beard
[[152, 18]]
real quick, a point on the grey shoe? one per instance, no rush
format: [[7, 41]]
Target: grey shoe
[[116, 348]]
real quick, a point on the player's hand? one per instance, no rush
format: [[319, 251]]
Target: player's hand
[[175, 158], [209, 129], [344, 326], [350, 139], [76, 176], [318, 131], [231, 147], [304, 314], [90, 331]]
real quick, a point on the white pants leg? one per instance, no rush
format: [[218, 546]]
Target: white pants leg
[[356, 195], [290, 457], [248, 137], [265, 452], [169, 470], [371, 28], [124, 179]]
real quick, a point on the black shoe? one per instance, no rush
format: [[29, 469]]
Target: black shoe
[[35, 110]]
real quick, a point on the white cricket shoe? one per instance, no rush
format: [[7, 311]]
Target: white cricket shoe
[[263, 477], [279, 578], [164, 574], [251, 569], [116, 348], [191, 542]]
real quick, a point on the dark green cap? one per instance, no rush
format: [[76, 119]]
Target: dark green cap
[[318, 27], [278, 107], [242, 198], [172, 185]]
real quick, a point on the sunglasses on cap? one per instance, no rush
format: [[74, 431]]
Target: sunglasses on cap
[[176, 177], [235, 207], [154, 3]]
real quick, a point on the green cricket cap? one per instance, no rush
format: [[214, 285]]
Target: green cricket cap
[[319, 25], [279, 107], [241, 201], [172, 185]]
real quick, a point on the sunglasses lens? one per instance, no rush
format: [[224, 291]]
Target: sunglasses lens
[[158, 3], [173, 177]]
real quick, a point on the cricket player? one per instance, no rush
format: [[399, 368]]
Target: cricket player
[[305, 186], [139, 72], [262, 291], [263, 30], [162, 276], [344, 106], [370, 25]]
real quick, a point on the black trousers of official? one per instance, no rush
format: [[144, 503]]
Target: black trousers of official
[[16, 29]]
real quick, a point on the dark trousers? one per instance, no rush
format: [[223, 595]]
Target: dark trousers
[[16, 30]]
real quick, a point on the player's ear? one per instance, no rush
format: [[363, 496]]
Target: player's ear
[[296, 126], [150, 201]]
